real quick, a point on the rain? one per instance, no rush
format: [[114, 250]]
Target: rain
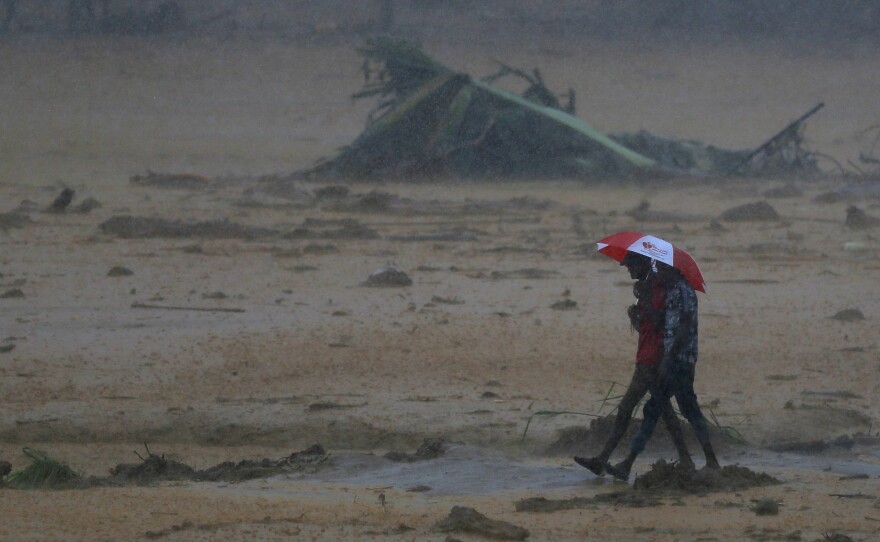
[[336, 270]]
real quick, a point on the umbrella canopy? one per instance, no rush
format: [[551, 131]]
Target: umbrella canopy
[[618, 245]]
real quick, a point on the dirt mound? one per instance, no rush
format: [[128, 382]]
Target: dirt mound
[[628, 498], [674, 478], [185, 181], [579, 440], [347, 228], [308, 460], [467, 520], [431, 448], [132, 227], [811, 419], [13, 220], [663, 479], [155, 468], [757, 211]]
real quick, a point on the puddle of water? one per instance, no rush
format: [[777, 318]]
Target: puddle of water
[[473, 471], [462, 470], [843, 463]]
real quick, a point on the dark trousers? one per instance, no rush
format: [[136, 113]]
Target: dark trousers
[[680, 384], [642, 381]]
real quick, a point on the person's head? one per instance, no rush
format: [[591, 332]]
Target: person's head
[[667, 273], [638, 265]]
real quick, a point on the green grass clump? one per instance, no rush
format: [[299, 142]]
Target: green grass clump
[[44, 472]]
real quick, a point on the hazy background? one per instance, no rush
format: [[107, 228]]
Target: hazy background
[[97, 90], [808, 23]]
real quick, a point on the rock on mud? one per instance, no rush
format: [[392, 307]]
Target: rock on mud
[[673, 477], [632, 499], [467, 520], [187, 181], [766, 507], [154, 468], [87, 206], [119, 271], [431, 448], [388, 276], [580, 440], [564, 305], [13, 219], [856, 219], [131, 227], [14, 293], [757, 211], [849, 315], [61, 202]]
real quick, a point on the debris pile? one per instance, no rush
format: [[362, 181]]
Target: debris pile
[[388, 276], [42, 473], [462, 519], [134, 227], [434, 121], [629, 498], [186, 181], [49, 473], [750, 212], [431, 448], [673, 477], [579, 440]]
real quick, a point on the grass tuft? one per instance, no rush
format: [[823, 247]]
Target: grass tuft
[[44, 472]]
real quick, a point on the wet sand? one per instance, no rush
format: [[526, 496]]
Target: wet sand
[[314, 357]]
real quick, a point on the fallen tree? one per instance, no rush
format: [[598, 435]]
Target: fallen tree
[[433, 121]]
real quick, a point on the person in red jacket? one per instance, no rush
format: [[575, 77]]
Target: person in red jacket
[[647, 317]]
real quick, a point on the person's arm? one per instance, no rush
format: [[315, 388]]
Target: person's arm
[[634, 320]]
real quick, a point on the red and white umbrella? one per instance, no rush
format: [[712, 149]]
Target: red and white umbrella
[[616, 246]]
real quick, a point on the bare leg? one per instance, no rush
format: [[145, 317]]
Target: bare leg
[[638, 387]]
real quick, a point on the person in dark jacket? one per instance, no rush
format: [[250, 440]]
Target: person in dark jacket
[[675, 372]]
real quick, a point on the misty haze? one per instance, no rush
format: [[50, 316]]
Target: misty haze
[[328, 270]]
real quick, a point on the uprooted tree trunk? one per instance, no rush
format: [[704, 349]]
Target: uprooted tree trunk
[[431, 120]]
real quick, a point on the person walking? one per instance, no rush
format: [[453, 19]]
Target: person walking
[[675, 372], [647, 317]]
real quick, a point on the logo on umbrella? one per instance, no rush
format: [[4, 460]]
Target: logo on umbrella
[[654, 249]]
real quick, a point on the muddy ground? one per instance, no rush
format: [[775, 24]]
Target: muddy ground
[[249, 334]]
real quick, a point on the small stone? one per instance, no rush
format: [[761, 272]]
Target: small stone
[[564, 305], [467, 520], [857, 219], [750, 212], [87, 205], [418, 489], [14, 293], [849, 315], [388, 276], [786, 191], [62, 201], [766, 507], [120, 271]]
